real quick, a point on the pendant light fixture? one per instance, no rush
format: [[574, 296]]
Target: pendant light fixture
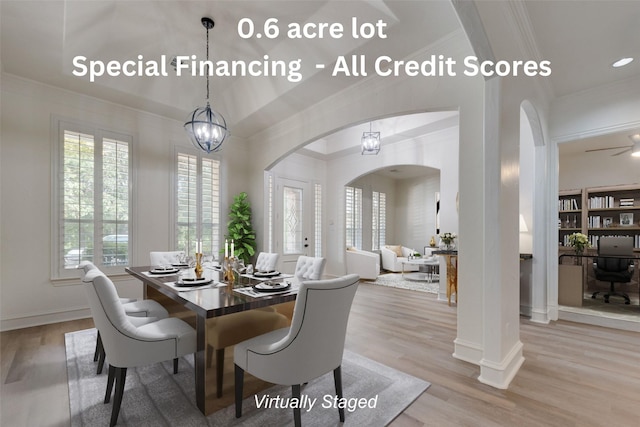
[[206, 128], [370, 142]]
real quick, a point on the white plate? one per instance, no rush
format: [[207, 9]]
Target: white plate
[[194, 282], [272, 287], [163, 271]]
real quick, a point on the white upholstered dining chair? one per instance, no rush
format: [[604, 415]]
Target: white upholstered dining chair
[[309, 268], [160, 258], [146, 310], [129, 345], [311, 347], [266, 262]]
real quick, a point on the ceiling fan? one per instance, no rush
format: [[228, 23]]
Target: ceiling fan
[[634, 148]]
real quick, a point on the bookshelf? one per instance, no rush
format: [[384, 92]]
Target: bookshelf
[[600, 211], [613, 211], [570, 219]]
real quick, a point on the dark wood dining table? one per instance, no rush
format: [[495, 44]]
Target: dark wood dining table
[[195, 307]]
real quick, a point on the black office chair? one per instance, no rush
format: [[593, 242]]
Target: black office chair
[[610, 267]]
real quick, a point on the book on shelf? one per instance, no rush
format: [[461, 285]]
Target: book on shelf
[[568, 205], [601, 202], [627, 202]]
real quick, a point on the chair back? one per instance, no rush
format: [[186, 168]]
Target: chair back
[[615, 245], [85, 266], [614, 269], [158, 258], [124, 343], [309, 268], [266, 262], [314, 344]]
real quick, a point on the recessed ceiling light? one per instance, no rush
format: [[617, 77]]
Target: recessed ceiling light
[[622, 62]]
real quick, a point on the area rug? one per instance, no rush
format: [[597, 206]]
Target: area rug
[[395, 280], [154, 396]]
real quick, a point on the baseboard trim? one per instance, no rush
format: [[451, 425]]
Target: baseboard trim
[[44, 319], [467, 351], [540, 316], [500, 375]]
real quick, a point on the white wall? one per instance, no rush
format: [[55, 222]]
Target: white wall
[[416, 210], [582, 170], [29, 296]]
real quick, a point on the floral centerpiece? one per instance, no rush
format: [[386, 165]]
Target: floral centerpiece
[[579, 242], [447, 239]]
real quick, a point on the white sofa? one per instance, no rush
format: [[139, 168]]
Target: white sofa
[[392, 262], [364, 264]]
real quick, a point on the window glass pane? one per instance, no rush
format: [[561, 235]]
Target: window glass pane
[[318, 219], [77, 182], [198, 204], [353, 217], [115, 202], [186, 197], [93, 204], [292, 220]]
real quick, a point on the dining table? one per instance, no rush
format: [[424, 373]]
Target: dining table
[[196, 305]]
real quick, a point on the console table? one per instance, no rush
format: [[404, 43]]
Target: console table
[[451, 258]]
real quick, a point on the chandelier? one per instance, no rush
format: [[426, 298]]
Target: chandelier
[[206, 128], [370, 142]]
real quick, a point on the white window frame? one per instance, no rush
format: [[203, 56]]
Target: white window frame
[[378, 219], [216, 238], [59, 125], [353, 214]]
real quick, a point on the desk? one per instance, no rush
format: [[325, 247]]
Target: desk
[[571, 276], [204, 304], [451, 258]]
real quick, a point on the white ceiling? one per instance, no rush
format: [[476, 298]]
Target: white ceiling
[[40, 38]]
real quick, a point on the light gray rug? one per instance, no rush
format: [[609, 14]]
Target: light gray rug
[[395, 280], [155, 397]]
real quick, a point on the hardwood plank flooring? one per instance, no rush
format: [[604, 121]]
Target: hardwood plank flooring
[[573, 375]]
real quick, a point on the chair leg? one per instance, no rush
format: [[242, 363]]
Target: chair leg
[[111, 377], [175, 366], [121, 376], [101, 358], [99, 348], [219, 370], [337, 379], [295, 393], [239, 382]]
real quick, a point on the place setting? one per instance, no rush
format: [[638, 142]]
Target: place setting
[[267, 288]]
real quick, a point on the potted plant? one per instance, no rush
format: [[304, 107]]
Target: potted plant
[[579, 242], [240, 230], [446, 240]]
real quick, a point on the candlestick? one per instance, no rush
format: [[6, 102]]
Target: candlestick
[[226, 248], [198, 267], [233, 252]]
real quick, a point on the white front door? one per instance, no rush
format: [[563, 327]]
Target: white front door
[[293, 221]]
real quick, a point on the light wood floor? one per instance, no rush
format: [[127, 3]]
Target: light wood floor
[[574, 374]]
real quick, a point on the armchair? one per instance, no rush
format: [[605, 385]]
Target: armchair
[[310, 348], [364, 264], [129, 344], [614, 270], [394, 256]]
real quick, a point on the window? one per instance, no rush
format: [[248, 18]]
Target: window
[[197, 207], [317, 190], [92, 199], [292, 220], [353, 217], [379, 219]]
